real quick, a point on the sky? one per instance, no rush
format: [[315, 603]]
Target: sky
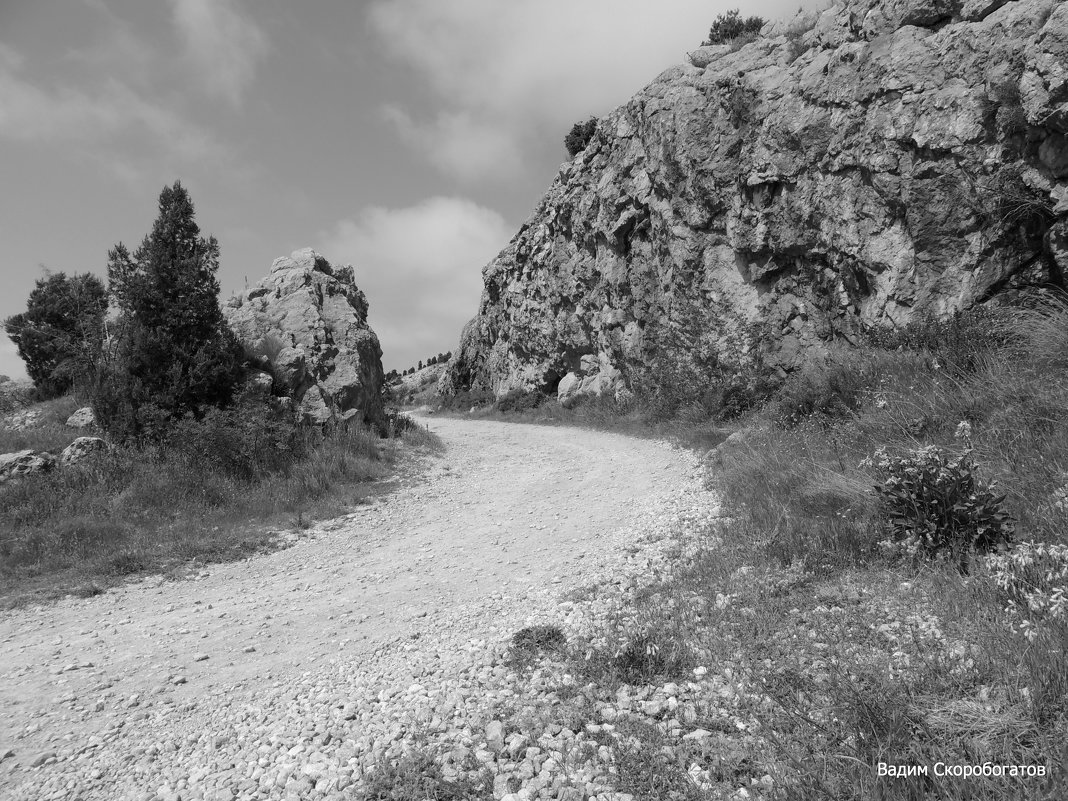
[[409, 138]]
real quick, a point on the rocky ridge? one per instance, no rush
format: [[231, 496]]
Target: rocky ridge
[[859, 166]]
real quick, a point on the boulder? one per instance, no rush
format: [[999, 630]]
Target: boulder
[[306, 325], [851, 169], [83, 418], [82, 448], [25, 463], [596, 376]]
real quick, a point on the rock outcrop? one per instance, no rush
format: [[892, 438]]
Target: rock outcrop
[[306, 325], [859, 166], [24, 463]]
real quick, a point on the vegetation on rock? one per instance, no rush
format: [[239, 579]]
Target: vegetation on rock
[[730, 26], [579, 136]]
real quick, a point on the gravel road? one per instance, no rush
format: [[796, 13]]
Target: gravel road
[[287, 675]]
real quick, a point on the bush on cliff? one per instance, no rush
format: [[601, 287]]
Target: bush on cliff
[[730, 25], [173, 353], [579, 136]]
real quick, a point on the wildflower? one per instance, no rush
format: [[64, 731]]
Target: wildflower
[[964, 431]]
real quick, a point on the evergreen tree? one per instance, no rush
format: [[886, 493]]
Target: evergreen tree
[[61, 327], [173, 353]]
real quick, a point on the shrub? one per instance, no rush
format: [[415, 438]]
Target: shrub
[[960, 342], [173, 353], [61, 327], [246, 442], [822, 391], [579, 136], [520, 400], [731, 25], [937, 506]]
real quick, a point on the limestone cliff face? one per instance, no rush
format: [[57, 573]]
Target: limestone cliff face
[[859, 166]]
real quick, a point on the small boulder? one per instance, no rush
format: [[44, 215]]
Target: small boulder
[[567, 391], [25, 463], [82, 448], [83, 418]]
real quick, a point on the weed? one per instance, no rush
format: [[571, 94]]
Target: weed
[[529, 642], [418, 776]]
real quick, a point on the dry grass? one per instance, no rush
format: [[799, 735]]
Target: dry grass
[[862, 658], [155, 508]]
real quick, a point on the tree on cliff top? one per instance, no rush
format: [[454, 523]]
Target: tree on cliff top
[[173, 353], [62, 325]]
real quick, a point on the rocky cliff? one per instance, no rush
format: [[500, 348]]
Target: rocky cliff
[[306, 324], [862, 165]]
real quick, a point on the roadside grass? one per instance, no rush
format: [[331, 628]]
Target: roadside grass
[[855, 653], [220, 490], [50, 435]]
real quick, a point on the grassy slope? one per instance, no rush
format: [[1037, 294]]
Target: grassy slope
[[863, 655], [143, 510]]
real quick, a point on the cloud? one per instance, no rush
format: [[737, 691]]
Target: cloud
[[221, 44], [421, 268], [527, 70], [30, 113], [459, 145]]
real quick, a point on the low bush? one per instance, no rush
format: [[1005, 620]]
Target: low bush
[[579, 136], [418, 775], [519, 400], [959, 343], [828, 390], [469, 398], [245, 442], [937, 507]]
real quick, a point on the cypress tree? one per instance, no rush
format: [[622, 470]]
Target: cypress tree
[[173, 353]]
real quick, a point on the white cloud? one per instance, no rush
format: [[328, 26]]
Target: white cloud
[[66, 114], [421, 268], [529, 69], [222, 45], [460, 145]]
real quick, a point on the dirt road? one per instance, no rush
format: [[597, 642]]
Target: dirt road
[[112, 696]]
